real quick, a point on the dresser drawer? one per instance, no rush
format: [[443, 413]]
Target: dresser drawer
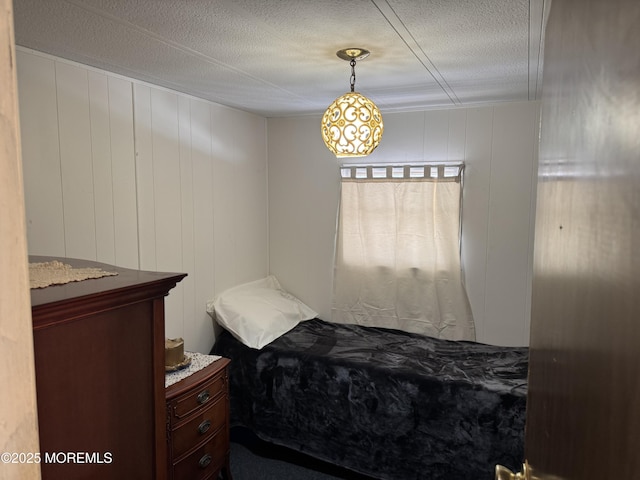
[[204, 461], [186, 404], [198, 423], [200, 426]]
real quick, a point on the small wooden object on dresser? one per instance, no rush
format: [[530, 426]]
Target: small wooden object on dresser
[[198, 424]]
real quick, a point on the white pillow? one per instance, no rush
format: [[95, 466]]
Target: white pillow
[[258, 312]]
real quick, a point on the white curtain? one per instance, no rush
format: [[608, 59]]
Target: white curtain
[[398, 256]]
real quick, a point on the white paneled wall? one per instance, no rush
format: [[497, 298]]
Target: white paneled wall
[[41, 154], [499, 147], [131, 174], [78, 151], [138, 176]]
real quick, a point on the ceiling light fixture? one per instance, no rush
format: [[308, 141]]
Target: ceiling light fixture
[[352, 125]]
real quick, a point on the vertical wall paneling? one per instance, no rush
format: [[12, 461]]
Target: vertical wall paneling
[[41, 154], [403, 138], [304, 189], [211, 221], [75, 160], [187, 227], [249, 196], [240, 191], [508, 279], [226, 156], [189, 191], [526, 330], [436, 136], [79, 163], [102, 168], [140, 176], [456, 135], [254, 249], [475, 210], [282, 187], [294, 214], [145, 187], [320, 192], [497, 144], [199, 328], [166, 179], [167, 197], [123, 170]]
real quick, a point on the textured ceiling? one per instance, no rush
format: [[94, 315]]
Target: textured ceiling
[[278, 57]]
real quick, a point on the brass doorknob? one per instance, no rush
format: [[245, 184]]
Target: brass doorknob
[[503, 473]]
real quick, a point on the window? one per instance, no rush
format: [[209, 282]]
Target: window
[[397, 253]]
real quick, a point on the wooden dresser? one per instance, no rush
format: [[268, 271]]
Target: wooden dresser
[[99, 358], [198, 424]]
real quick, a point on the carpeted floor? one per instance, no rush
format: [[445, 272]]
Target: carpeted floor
[[252, 459]]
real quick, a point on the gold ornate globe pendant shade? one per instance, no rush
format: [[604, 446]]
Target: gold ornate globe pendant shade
[[352, 125]]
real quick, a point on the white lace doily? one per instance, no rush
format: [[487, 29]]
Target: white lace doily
[[198, 362]]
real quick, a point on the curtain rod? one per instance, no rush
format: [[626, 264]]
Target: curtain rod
[[402, 164]]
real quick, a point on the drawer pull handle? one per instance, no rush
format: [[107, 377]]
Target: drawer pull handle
[[205, 461], [204, 426], [203, 397]]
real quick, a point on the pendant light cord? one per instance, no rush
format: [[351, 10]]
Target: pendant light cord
[[353, 74]]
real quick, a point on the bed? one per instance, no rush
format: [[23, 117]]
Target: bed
[[382, 402]]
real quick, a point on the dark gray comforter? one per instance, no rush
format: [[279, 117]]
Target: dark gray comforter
[[389, 404]]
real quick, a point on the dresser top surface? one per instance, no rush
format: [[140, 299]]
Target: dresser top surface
[[125, 279]]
